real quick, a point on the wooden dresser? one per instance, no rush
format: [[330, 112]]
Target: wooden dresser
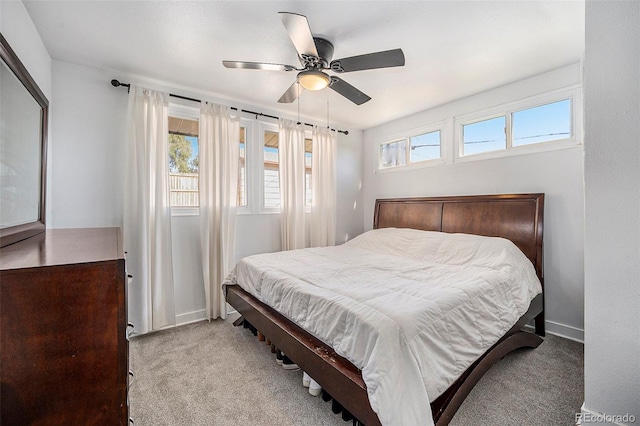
[[63, 329]]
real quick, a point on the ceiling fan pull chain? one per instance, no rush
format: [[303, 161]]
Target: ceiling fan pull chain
[[328, 127]]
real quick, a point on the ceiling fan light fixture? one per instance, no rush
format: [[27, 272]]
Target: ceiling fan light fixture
[[313, 80]]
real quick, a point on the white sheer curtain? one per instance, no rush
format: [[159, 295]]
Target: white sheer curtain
[[323, 188], [219, 153], [292, 183], [147, 213]]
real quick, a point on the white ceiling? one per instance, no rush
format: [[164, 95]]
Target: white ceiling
[[452, 48]]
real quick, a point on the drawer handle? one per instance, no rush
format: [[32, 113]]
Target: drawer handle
[[130, 332], [132, 378]]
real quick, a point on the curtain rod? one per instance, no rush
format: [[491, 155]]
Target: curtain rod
[[116, 83]]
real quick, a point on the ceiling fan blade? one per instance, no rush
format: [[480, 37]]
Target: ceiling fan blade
[[348, 91], [258, 66], [300, 33], [385, 59], [291, 94]]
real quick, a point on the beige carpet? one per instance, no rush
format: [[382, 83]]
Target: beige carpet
[[216, 374]]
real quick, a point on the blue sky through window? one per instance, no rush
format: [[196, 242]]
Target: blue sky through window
[[425, 147], [193, 140], [539, 124], [483, 136], [542, 124]]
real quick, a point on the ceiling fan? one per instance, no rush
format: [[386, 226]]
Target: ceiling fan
[[315, 56]]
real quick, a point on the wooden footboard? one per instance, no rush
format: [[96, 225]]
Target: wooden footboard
[[341, 379], [446, 405]]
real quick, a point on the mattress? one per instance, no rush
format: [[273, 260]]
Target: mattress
[[412, 309]]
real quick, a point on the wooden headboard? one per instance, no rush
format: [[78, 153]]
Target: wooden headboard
[[517, 217]]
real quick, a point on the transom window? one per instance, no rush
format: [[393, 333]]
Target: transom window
[[484, 136], [393, 154], [424, 147], [536, 125], [544, 123], [413, 149]]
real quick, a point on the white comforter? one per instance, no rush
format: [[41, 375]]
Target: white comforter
[[412, 309]]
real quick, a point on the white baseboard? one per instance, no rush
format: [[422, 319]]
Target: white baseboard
[[566, 331], [195, 316], [562, 330], [231, 310], [189, 317]]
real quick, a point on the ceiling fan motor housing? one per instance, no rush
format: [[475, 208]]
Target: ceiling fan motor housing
[[325, 53]]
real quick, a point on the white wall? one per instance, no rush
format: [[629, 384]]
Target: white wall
[[87, 160], [18, 29], [556, 173], [612, 208], [89, 121]]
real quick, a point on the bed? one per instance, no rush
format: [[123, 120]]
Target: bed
[[517, 218]]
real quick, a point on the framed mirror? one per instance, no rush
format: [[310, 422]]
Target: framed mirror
[[23, 147]]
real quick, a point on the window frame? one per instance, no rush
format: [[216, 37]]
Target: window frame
[[572, 93]]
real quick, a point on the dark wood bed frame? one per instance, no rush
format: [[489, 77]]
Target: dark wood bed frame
[[517, 217]]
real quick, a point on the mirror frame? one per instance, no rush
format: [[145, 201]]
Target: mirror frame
[[13, 234]]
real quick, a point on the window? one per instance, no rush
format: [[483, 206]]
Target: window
[[519, 127], [271, 186], [425, 147], [183, 162], [544, 123], [410, 150], [393, 154], [484, 136], [258, 184], [242, 169], [271, 195], [308, 144]]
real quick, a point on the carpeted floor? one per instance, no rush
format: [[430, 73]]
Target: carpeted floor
[[216, 374]]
